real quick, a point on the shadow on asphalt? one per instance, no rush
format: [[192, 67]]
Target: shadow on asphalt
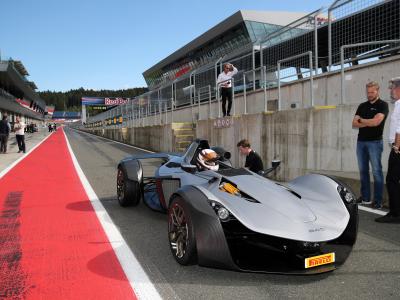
[[97, 266]]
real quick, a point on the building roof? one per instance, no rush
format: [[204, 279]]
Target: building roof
[[269, 17], [20, 68], [12, 81]]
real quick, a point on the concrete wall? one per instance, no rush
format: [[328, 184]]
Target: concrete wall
[[155, 138], [305, 139]]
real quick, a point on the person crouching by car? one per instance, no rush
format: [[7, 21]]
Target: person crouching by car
[[19, 128], [253, 160]]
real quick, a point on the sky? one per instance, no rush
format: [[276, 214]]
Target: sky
[[108, 44]]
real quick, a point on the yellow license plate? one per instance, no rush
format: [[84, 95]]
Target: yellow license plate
[[324, 259]]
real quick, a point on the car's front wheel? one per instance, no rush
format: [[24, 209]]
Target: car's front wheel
[[128, 191], [181, 233]]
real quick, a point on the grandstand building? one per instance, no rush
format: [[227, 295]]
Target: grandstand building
[[18, 95], [239, 31], [263, 38]]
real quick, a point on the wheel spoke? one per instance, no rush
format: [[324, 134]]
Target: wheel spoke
[[181, 217], [175, 218]]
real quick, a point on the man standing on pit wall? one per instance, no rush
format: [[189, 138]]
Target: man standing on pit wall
[[253, 160], [393, 174], [19, 128], [370, 118], [225, 82]]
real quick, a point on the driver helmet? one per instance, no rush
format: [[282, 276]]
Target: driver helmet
[[208, 160]]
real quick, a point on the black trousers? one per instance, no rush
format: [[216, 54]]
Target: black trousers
[[226, 95], [21, 142], [393, 183], [3, 142]]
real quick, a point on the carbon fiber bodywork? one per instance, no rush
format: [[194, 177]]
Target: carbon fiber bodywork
[[231, 245]]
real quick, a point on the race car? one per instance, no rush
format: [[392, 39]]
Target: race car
[[232, 218]]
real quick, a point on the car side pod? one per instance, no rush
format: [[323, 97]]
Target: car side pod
[[189, 168]]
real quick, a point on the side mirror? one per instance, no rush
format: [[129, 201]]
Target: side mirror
[[275, 164], [227, 155], [188, 168]]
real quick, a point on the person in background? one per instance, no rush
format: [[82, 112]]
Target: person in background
[[393, 174], [253, 160], [370, 119], [19, 127], [5, 129], [225, 82]]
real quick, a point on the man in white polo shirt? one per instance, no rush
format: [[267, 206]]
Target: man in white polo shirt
[[225, 82], [393, 174], [19, 128]]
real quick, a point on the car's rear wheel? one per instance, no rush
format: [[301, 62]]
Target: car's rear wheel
[[181, 233], [128, 191]]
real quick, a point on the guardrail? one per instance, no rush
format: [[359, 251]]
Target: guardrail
[[365, 56]]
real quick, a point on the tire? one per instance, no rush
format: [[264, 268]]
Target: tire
[[128, 191], [181, 235]]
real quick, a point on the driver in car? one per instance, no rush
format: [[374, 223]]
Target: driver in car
[[208, 160]]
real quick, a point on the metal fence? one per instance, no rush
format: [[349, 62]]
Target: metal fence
[[349, 32], [369, 20]]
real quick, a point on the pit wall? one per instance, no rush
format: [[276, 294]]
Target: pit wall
[[305, 140], [154, 138]]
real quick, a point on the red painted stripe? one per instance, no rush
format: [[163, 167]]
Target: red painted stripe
[[52, 245]]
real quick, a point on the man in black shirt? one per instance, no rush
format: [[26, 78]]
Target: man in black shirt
[[370, 118], [253, 160], [4, 132]]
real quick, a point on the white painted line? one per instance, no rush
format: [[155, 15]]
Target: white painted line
[[137, 277], [372, 210], [12, 165], [110, 140]]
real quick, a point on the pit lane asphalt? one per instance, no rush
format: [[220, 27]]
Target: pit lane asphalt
[[372, 270]]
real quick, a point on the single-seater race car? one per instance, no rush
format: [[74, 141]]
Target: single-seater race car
[[232, 218]]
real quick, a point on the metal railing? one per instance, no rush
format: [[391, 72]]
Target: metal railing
[[308, 54], [363, 56], [262, 84], [207, 92]]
